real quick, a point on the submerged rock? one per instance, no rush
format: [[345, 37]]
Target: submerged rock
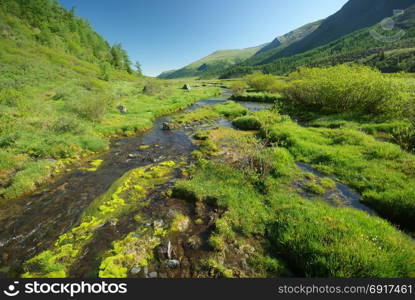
[[173, 263], [169, 126]]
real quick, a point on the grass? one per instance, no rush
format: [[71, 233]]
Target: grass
[[229, 110], [380, 171], [309, 237], [257, 97]]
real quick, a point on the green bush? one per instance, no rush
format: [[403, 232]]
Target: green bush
[[344, 88], [262, 82]]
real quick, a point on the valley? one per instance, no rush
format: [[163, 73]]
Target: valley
[[291, 159]]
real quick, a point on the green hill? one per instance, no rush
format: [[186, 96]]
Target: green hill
[[212, 64], [60, 86]]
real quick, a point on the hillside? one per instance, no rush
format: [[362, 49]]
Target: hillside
[[212, 64], [354, 15], [288, 38], [60, 86], [364, 46]]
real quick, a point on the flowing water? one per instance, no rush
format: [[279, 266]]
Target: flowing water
[[31, 224]]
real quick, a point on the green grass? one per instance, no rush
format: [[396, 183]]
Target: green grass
[[311, 237], [256, 97], [229, 110], [380, 171]]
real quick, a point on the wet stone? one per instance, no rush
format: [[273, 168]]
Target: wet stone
[[173, 263], [135, 270], [152, 274]]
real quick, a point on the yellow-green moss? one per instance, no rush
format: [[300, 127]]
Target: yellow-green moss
[[126, 193]]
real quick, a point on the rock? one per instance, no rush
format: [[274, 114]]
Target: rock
[[152, 274], [187, 87], [169, 126], [173, 263], [135, 270], [122, 109]]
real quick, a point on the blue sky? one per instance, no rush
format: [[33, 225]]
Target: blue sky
[[169, 34]]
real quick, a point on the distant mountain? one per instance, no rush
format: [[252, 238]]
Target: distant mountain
[[390, 50], [291, 37], [354, 15], [212, 64], [281, 42]]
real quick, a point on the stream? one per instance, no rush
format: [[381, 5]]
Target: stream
[[32, 224]]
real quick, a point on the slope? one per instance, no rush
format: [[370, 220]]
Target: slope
[[212, 63]]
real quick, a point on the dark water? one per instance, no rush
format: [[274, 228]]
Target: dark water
[[31, 224], [346, 196]]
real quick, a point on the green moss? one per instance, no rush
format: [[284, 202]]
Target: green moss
[[134, 251], [126, 193], [95, 164]]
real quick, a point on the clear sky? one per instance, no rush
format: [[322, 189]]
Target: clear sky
[[169, 34]]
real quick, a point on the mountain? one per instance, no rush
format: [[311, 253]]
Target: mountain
[[353, 16], [389, 50], [281, 42], [213, 63], [218, 61], [291, 37]]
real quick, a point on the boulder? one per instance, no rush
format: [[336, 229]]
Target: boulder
[[173, 263], [187, 87]]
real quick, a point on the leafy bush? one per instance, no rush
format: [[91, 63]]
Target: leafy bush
[[262, 82], [92, 108], [238, 87], [344, 88]]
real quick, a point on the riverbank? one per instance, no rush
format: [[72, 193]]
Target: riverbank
[[38, 146]]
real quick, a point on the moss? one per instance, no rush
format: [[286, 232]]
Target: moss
[[126, 193], [95, 164], [180, 223], [134, 251]]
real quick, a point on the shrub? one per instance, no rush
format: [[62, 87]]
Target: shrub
[[238, 87], [344, 88], [262, 82], [92, 108]]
